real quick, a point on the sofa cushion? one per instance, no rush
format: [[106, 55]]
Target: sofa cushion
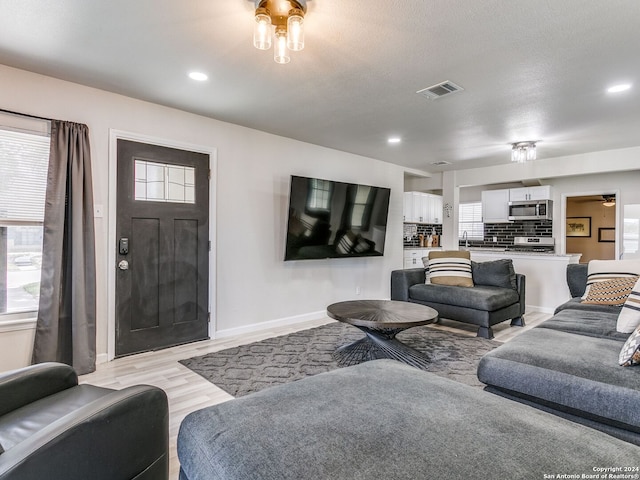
[[576, 304], [450, 268], [575, 372], [496, 273], [610, 292], [353, 424], [629, 317], [585, 322], [630, 353], [479, 297]]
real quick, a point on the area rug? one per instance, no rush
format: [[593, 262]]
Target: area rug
[[252, 367]]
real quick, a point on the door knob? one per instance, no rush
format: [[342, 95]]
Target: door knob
[[123, 265]]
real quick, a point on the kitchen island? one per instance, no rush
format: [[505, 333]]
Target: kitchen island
[[546, 275]]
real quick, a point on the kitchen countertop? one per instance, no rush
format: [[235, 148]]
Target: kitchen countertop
[[503, 251]]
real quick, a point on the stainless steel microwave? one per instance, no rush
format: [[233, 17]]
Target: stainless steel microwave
[[531, 210]]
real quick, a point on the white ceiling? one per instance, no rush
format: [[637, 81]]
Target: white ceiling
[[531, 70]]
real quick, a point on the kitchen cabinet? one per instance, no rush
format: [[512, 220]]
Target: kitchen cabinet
[[495, 206], [413, 257], [422, 207], [542, 192]]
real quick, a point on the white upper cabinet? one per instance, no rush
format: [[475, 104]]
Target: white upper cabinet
[[495, 206], [542, 192], [422, 207]]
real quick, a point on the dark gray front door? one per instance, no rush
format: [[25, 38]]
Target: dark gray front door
[[162, 247]]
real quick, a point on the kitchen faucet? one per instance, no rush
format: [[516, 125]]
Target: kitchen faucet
[[466, 240]]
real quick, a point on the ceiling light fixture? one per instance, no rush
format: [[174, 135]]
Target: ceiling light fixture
[[394, 140], [198, 76], [523, 151], [609, 200], [623, 87], [282, 20]]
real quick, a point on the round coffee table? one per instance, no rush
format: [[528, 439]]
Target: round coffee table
[[381, 321]]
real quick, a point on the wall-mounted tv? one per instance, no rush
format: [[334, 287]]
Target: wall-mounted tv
[[329, 219]]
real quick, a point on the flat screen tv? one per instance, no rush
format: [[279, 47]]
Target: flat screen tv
[[329, 219]]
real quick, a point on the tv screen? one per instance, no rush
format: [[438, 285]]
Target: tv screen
[[330, 219]]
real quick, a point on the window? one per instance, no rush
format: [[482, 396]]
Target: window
[[319, 195], [470, 221], [24, 159], [361, 207]]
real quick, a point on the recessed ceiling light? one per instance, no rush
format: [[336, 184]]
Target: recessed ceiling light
[[619, 88], [198, 76], [394, 140]]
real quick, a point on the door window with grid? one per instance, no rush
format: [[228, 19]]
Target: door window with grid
[[24, 159]]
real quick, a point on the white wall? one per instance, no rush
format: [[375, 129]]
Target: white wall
[[254, 285]]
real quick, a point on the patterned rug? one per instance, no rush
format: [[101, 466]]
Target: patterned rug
[[252, 367]]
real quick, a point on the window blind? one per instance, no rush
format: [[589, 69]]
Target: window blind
[[24, 160], [470, 220]]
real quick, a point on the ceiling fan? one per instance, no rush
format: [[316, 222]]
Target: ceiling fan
[[609, 200]]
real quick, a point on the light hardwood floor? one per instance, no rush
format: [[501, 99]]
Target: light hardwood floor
[[188, 391]]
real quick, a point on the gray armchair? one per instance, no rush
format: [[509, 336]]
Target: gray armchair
[[53, 428]]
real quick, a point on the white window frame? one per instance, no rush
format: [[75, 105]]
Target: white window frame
[[10, 321]]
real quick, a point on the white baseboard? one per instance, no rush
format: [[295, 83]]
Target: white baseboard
[[534, 308], [280, 322], [102, 358]]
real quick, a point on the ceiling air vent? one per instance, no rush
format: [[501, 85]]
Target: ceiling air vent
[[440, 163], [440, 90]]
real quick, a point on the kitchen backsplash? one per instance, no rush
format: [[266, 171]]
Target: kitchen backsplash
[[505, 232], [412, 231]]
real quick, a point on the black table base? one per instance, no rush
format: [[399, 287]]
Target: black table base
[[379, 343]]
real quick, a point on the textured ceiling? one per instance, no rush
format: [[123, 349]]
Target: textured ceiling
[[531, 70]]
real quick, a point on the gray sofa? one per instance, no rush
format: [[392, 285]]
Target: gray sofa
[[498, 295], [384, 419], [569, 365]]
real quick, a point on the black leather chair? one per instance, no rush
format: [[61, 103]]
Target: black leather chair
[[52, 428]]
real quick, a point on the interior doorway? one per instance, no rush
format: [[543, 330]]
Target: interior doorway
[[590, 227]]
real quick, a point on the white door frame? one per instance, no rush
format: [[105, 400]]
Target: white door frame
[[114, 136], [563, 218]]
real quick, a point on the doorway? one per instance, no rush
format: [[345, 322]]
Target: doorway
[[590, 227], [162, 247]]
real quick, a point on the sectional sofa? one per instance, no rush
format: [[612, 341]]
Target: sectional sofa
[[569, 365]]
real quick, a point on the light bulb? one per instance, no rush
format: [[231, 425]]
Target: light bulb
[[262, 32], [280, 52], [295, 30]]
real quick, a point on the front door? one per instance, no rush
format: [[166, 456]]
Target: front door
[[162, 247]]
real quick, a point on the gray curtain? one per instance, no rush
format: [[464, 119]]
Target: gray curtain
[[66, 327]]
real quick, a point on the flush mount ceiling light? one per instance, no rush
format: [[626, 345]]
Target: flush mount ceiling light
[[394, 140], [282, 21], [623, 87], [523, 151], [198, 76]]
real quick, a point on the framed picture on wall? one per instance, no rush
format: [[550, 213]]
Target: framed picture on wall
[[606, 234], [578, 226]]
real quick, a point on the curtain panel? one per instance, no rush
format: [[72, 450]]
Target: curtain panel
[[66, 326]]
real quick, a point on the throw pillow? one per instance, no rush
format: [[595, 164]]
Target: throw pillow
[[629, 317], [346, 243], [450, 268], [361, 245], [603, 270], [496, 273], [425, 262], [630, 353], [610, 292]]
